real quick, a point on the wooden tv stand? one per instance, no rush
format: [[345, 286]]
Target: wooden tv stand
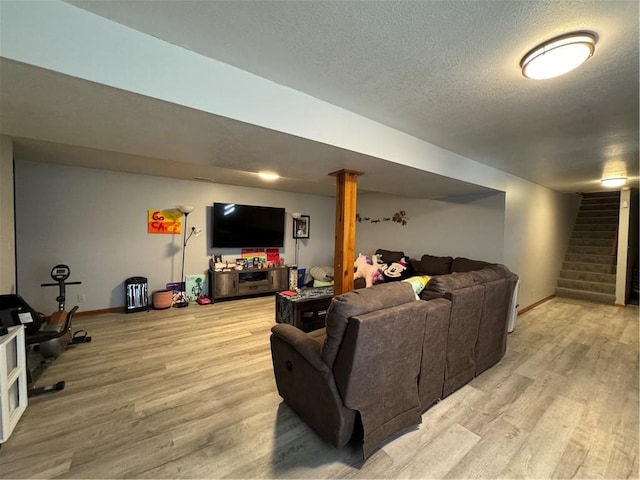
[[246, 282]]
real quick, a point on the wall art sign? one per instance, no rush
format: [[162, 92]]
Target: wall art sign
[[165, 221]]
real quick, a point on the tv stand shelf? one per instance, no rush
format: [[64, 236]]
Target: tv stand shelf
[[249, 281]]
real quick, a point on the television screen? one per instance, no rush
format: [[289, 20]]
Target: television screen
[[247, 226]]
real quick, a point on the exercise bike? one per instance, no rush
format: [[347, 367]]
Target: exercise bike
[[48, 337], [60, 273]]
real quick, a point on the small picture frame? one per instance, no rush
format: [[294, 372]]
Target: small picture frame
[[217, 258], [301, 226]]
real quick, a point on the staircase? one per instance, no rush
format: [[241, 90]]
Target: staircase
[[589, 268]]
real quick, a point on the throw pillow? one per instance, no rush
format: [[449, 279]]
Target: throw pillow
[[461, 264], [399, 270], [432, 265], [389, 256], [418, 283], [324, 273]]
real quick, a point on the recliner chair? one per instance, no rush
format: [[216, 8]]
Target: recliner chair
[[367, 360]]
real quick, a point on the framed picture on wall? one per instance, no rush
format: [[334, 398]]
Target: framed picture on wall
[[301, 226]]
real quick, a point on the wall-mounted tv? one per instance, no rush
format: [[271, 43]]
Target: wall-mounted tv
[[247, 226]]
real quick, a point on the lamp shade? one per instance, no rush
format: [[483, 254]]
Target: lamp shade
[[186, 209], [558, 56]]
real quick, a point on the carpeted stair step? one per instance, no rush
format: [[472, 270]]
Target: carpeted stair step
[[578, 227], [597, 220], [589, 250], [588, 276], [589, 270], [600, 195], [593, 287], [588, 296], [599, 259], [610, 235], [591, 242], [598, 213], [598, 206], [589, 267]]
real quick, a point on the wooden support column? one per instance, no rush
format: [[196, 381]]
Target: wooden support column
[[345, 241]]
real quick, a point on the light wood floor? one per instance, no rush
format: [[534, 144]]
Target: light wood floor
[[189, 393]]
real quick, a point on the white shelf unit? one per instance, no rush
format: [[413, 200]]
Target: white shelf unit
[[13, 380]]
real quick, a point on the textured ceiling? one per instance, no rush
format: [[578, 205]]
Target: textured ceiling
[[443, 71]]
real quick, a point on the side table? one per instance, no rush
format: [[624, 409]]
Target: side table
[[306, 310]]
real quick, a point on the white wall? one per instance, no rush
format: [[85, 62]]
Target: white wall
[[633, 247], [96, 222], [538, 225], [622, 265], [469, 226], [7, 232], [528, 230]]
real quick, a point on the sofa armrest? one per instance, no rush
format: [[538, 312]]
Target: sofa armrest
[[304, 344], [307, 386]]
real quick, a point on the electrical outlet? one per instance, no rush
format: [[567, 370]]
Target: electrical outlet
[[82, 298]]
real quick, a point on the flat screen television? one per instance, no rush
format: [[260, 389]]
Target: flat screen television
[[247, 226]]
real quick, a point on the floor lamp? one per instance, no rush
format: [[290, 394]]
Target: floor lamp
[[185, 210]]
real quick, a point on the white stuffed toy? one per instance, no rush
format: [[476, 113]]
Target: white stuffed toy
[[368, 269]]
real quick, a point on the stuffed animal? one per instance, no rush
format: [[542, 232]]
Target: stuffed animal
[[398, 270], [365, 268]]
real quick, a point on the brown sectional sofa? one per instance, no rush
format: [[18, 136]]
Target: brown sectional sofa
[[385, 357]]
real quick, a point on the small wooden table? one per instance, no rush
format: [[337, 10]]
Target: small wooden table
[[306, 310]]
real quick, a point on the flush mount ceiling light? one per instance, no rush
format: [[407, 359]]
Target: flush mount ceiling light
[[558, 56], [613, 182], [270, 176]]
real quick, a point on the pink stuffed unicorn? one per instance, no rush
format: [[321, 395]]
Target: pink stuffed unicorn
[[368, 268]]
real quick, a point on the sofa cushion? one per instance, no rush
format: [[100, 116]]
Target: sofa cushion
[[389, 256], [416, 266], [432, 265], [359, 302], [427, 295], [485, 275], [461, 264], [446, 283]]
